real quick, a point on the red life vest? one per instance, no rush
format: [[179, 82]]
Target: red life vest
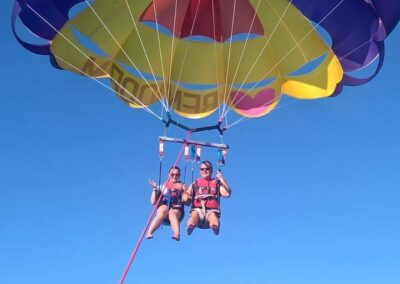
[[206, 191], [172, 194]]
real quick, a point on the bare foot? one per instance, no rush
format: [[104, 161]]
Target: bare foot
[[190, 229], [215, 229], [176, 237], [149, 236]]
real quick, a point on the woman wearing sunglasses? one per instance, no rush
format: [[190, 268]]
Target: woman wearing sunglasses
[[204, 195], [170, 206]]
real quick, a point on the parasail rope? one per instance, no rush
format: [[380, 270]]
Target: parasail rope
[[108, 87], [229, 51], [159, 96], [159, 46], [145, 52], [172, 54], [90, 59], [259, 55], [216, 61], [281, 106], [225, 110], [139, 242], [284, 57], [243, 119], [184, 57], [192, 171], [245, 46], [355, 49], [179, 78], [184, 172]]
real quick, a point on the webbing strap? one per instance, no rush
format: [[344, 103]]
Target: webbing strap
[[184, 173]]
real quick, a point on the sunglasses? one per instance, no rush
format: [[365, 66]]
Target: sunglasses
[[204, 169], [174, 175]]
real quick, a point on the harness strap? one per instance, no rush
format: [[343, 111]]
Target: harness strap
[[203, 200], [203, 197], [203, 208], [169, 196]]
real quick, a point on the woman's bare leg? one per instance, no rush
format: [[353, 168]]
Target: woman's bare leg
[[162, 213], [174, 215], [193, 221], [213, 221]]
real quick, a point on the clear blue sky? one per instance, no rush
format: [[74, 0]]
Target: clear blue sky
[[316, 186]]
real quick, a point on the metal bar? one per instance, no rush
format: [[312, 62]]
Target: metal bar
[[180, 125], [217, 127], [192, 142]]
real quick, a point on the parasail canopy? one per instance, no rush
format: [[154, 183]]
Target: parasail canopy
[[197, 56]]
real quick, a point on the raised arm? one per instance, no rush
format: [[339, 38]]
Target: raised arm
[[155, 194], [225, 189]]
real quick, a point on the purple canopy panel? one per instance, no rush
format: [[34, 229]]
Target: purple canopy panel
[[43, 18], [43, 49], [389, 12], [369, 21], [351, 45]]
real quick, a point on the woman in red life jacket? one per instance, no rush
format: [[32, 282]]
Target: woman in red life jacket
[[204, 196], [170, 207]]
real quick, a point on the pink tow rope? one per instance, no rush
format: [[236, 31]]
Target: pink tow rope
[[139, 242]]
